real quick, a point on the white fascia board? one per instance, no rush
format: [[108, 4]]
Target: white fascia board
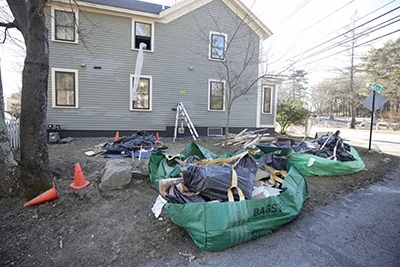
[[181, 9], [245, 14], [107, 9]]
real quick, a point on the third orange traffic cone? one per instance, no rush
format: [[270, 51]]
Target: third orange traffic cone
[[157, 137], [44, 197], [79, 179], [116, 136]]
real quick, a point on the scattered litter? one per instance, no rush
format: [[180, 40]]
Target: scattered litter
[[190, 256], [158, 205]]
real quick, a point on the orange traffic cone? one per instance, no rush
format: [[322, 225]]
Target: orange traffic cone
[[44, 197], [79, 179], [116, 136], [157, 137]]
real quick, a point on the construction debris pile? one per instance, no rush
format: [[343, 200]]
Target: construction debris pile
[[139, 145], [246, 138], [221, 179], [234, 195], [327, 146]]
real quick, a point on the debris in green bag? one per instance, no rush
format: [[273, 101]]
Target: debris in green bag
[[158, 158], [215, 226], [311, 165]]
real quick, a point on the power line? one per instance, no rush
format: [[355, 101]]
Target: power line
[[340, 34], [377, 38], [358, 35], [310, 49], [337, 10]]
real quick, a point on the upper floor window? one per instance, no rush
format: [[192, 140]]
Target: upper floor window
[[143, 92], [216, 95], [217, 46], [64, 26], [143, 34], [65, 88], [267, 98]]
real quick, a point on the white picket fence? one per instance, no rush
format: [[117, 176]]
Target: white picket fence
[[13, 133]]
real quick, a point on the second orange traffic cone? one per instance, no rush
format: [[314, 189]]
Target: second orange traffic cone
[[157, 137], [79, 179], [44, 197], [116, 138]]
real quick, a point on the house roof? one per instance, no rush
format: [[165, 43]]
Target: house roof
[[167, 14], [130, 4]]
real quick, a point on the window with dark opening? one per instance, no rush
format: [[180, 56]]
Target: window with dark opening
[[217, 49], [216, 95], [267, 99], [143, 35], [64, 25], [65, 88], [143, 94]]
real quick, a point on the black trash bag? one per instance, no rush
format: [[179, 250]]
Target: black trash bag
[[329, 141], [302, 146], [179, 198], [265, 159], [343, 154], [192, 159], [323, 153], [285, 144], [279, 162], [273, 161], [129, 143], [213, 181]]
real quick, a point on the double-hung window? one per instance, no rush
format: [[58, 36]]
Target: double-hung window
[[64, 26], [216, 95], [65, 88], [143, 34], [143, 93], [267, 98], [217, 46]]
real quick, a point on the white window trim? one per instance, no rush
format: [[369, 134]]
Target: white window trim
[[53, 87], [53, 24], [270, 101], [209, 93], [132, 76], [210, 44], [133, 34]]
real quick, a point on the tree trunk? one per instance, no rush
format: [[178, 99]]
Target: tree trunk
[[34, 165], [9, 182], [228, 121]]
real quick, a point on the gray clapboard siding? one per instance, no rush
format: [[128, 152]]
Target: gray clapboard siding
[[104, 93]]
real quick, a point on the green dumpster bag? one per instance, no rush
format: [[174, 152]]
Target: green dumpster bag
[[311, 165], [279, 151], [214, 226], [162, 166]]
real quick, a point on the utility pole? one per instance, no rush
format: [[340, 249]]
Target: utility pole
[[352, 93]]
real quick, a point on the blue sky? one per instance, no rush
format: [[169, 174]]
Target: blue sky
[[298, 25]]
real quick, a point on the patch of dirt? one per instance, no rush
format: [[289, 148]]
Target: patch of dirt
[[89, 227]]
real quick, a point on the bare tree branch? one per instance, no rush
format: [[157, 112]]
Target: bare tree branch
[[19, 8]]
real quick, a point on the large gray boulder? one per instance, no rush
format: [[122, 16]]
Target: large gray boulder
[[116, 174]]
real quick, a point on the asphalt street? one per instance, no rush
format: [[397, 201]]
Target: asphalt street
[[362, 229]]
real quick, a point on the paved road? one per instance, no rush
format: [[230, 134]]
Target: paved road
[[362, 229], [387, 142]]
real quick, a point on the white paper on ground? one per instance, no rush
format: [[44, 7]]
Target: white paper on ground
[[158, 205]]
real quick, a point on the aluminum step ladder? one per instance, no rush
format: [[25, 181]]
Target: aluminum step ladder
[[182, 115]]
